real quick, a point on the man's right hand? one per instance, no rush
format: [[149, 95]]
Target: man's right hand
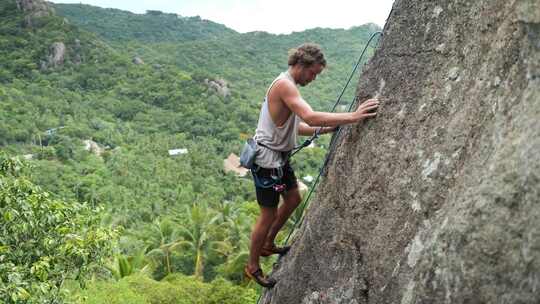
[[367, 109]]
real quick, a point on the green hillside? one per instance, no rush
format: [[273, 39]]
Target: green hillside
[[248, 61], [179, 218], [154, 26]]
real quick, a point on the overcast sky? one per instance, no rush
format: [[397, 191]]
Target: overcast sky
[[274, 16]]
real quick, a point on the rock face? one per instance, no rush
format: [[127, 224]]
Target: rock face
[[57, 54], [218, 85], [34, 9], [56, 57], [37, 7], [437, 200]]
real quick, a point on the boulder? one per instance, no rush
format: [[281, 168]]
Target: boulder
[[93, 147], [57, 54], [218, 85], [34, 9], [137, 60]]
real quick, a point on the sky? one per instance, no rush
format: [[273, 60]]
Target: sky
[[273, 16]]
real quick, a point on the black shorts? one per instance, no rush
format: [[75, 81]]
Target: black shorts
[[267, 196]]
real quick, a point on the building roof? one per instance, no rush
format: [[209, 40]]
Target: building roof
[[232, 163], [177, 151]]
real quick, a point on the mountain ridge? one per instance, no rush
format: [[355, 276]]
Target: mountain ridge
[[85, 16]]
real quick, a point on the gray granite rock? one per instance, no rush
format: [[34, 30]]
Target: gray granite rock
[[137, 60], [219, 85], [34, 9], [437, 200], [57, 55]]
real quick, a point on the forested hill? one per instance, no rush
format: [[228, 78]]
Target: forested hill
[[154, 26], [96, 118], [247, 61]]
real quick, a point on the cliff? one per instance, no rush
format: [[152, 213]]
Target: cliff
[[437, 200]]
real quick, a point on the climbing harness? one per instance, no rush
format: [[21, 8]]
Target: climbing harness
[[274, 180], [331, 147]]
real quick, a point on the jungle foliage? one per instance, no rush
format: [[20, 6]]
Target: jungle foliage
[[103, 213]]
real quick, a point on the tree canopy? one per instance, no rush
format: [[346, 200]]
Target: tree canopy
[[103, 199]]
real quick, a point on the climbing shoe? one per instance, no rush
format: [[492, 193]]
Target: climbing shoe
[[268, 251], [260, 278]]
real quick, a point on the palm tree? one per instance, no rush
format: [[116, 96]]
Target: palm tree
[[199, 228], [163, 238], [236, 226], [126, 265], [238, 237]]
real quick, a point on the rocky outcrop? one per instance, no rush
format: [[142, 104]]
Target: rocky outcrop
[[57, 55], [437, 200], [137, 60], [93, 147], [34, 9], [218, 85]]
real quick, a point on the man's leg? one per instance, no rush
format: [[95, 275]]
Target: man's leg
[[291, 200], [258, 236]]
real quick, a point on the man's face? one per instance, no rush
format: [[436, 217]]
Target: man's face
[[309, 74]]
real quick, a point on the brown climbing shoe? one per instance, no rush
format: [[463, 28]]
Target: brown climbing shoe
[[266, 251], [260, 278]]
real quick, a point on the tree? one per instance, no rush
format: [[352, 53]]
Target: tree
[[124, 266], [44, 241], [162, 239], [198, 229], [238, 227]]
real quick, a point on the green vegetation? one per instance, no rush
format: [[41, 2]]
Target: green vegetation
[[174, 289], [143, 226], [44, 241], [248, 61], [154, 26]]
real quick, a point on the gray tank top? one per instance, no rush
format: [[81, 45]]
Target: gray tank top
[[277, 139]]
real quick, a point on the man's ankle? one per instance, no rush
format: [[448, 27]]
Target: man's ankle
[[268, 244], [253, 267]]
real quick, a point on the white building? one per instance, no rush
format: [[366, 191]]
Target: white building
[[178, 152]]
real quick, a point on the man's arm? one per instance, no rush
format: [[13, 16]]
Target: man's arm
[[290, 95], [305, 130]]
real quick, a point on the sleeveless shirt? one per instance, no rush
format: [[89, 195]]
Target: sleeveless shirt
[[276, 138]]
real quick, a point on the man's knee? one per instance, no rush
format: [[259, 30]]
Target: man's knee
[[268, 214], [292, 198]]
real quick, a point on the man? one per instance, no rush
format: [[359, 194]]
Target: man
[[284, 114]]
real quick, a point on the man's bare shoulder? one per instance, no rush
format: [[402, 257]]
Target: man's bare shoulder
[[288, 93], [285, 87]]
